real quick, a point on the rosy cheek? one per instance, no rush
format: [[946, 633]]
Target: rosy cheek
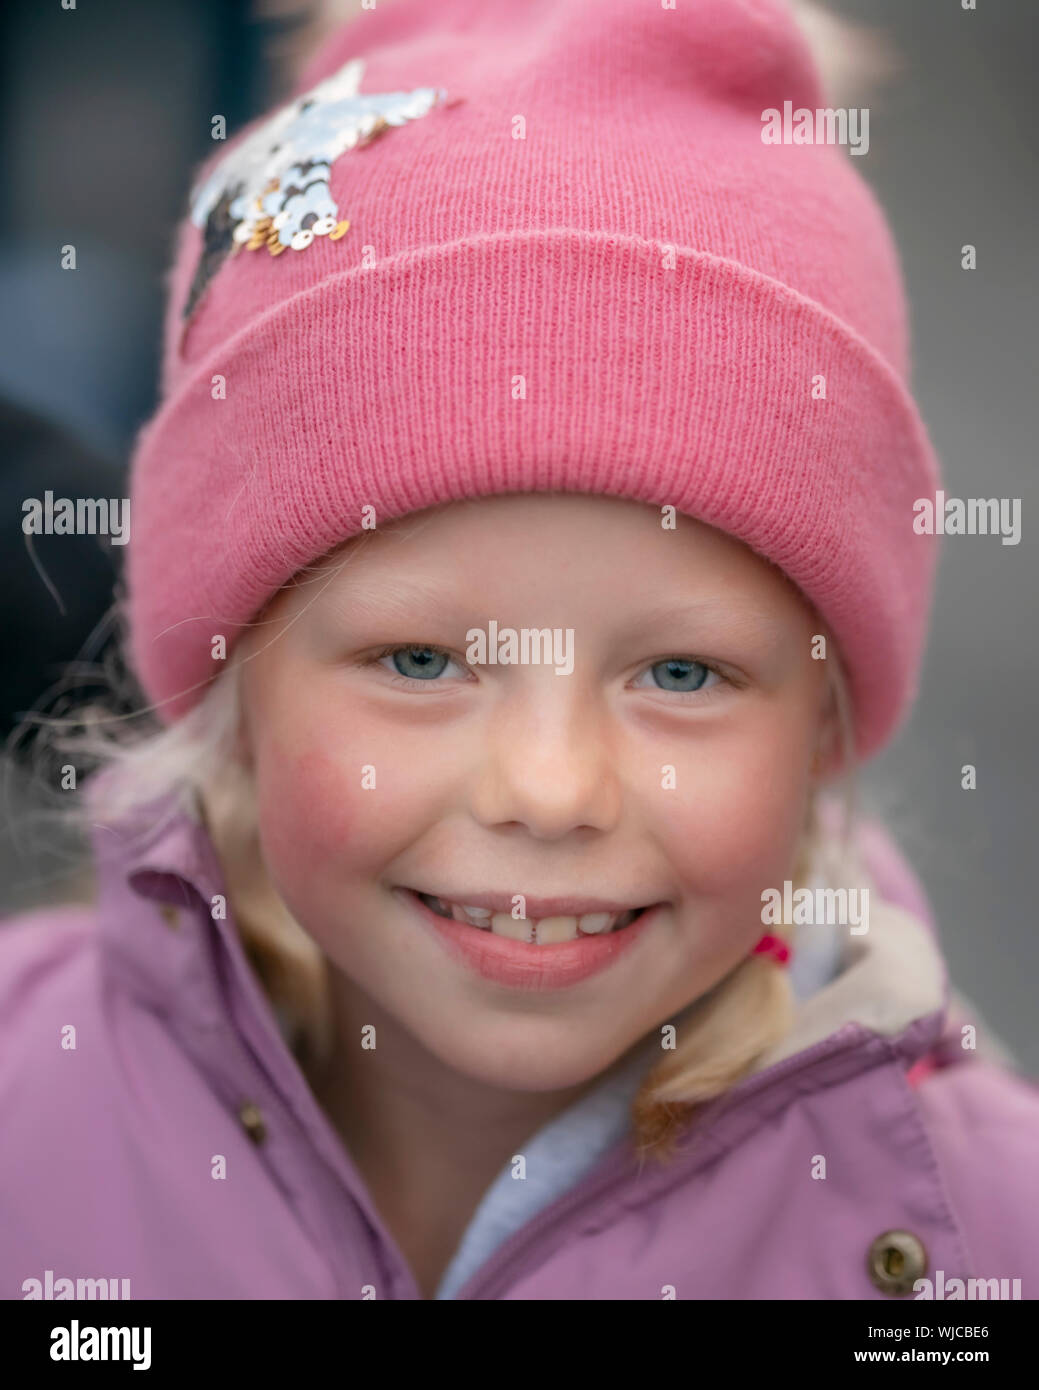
[[736, 825], [304, 809], [318, 816]]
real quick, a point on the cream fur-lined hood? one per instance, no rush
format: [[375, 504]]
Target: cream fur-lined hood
[[891, 975]]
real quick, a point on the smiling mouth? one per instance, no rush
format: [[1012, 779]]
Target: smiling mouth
[[536, 931]]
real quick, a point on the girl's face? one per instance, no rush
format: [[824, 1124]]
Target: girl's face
[[666, 760]]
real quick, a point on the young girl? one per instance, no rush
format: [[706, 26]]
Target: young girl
[[522, 546]]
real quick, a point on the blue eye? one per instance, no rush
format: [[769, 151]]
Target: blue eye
[[689, 676], [418, 663]]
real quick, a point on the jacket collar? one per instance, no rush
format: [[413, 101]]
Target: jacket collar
[[167, 936], [162, 857]]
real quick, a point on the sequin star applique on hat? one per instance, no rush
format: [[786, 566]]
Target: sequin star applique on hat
[[272, 190]]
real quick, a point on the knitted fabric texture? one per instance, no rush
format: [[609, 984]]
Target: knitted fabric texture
[[580, 268]]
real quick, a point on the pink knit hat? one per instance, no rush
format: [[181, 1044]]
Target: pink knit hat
[[529, 246]]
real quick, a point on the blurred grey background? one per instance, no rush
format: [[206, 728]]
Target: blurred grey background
[[106, 111]]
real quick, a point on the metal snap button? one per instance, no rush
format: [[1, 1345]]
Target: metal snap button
[[250, 1117], [895, 1261]]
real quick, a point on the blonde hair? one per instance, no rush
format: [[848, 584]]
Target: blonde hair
[[193, 765]]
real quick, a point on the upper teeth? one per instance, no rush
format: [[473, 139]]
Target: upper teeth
[[545, 930]]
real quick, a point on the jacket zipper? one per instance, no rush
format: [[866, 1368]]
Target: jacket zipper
[[493, 1274]]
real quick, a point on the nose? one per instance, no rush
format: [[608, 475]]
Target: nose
[[548, 762]]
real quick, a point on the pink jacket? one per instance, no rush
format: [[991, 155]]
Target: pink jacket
[[869, 1130]]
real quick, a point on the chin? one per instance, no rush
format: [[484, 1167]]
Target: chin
[[535, 1059]]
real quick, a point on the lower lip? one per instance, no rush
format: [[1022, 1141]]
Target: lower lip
[[522, 966]]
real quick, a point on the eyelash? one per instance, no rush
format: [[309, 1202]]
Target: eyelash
[[411, 682]]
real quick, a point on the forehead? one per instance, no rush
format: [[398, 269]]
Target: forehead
[[572, 544]]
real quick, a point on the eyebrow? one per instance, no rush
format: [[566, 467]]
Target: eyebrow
[[736, 615], [399, 600]]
